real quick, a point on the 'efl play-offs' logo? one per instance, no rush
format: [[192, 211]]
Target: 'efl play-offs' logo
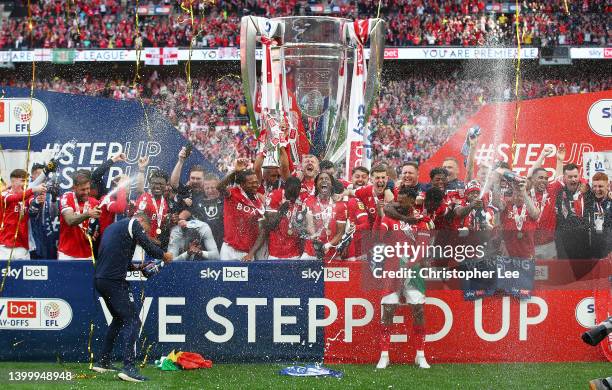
[[19, 114], [600, 117], [585, 312], [34, 314]]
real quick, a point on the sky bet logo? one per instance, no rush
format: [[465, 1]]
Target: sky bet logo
[[228, 274], [20, 309], [29, 272], [330, 274]]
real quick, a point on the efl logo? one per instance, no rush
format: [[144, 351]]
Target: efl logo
[[336, 274], [21, 309], [35, 272], [607, 52], [235, 274], [1, 112]]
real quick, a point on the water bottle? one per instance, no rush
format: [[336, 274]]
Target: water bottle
[[153, 268], [511, 176], [93, 226], [474, 131], [50, 167]]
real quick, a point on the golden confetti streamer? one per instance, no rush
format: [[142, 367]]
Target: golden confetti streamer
[[227, 76], [85, 376], [89, 351], [517, 85], [379, 7], [188, 64], [566, 7], [29, 147], [76, 15], [146, 356], [93, 254]]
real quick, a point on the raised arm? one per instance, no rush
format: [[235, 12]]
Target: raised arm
[[546, 152], [239, 165], [470, 159], [176, 172], [140, 178], [97, 176], [560, 158]]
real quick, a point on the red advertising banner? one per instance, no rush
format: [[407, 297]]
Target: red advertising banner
[[544, 328], [580, 122]]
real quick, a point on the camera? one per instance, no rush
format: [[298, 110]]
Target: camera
[[188, 149], [597, 333]]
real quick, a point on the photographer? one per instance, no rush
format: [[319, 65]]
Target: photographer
[[190, 198]]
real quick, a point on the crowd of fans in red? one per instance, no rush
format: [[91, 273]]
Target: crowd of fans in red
[[112, 24], [419, 111]]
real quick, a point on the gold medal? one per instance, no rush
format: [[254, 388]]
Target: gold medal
[[158, 231], [290, 232], [519, 235]]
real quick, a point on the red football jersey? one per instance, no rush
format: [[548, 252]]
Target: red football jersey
[[370, 200], [111, 206], [518, 243], [470, 222], [240, 219], [344, 183], [545, 230], [358, 216], [157, 210], [417, 233], [325, 215], [14, 205], [280, 242], [437, 216], [307, 189], [73, 239]]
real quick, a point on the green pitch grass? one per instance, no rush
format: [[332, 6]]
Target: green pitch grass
[[265, 376]]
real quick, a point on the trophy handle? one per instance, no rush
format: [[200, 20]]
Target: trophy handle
[[248, 35], [377, 56]]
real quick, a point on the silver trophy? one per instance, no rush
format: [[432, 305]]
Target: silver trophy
[[307, 82]]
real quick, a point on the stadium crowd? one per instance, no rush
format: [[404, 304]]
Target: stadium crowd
[[111, 24], [419, 111]]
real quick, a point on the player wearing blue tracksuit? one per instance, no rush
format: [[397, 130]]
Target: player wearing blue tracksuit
[[114, 261]]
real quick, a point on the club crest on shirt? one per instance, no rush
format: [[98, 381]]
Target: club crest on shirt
[[211, 211]]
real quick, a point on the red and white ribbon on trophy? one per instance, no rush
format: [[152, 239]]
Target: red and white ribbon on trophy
[[358, 151], [271, 132]]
